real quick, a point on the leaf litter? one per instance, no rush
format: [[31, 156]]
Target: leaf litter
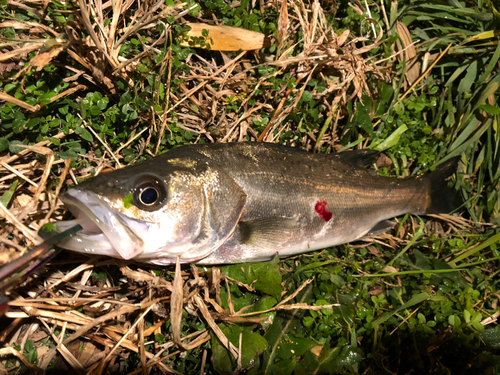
[[109, 308]]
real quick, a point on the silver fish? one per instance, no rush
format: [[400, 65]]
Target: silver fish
[[241, 202]]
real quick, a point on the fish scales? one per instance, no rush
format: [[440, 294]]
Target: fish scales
[[288, 184], [229, 203]]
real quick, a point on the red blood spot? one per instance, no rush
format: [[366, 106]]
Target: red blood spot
[[320, 209]]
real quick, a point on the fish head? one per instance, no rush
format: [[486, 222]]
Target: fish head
[[155, 212]]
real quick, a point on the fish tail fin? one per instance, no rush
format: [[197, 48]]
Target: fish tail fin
[[442, 198]]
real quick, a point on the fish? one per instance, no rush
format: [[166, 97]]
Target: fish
[[229, 203]]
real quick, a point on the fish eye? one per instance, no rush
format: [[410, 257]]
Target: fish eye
[[149, 196], [150, 193]]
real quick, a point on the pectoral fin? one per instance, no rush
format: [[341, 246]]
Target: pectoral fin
[[265, 233]]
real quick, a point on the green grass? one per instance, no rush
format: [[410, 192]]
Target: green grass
[[409, 302]]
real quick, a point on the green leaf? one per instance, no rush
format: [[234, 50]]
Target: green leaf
[[391, 140], [102, 103], [419, 298], [308, 321], [362, 117], [8, 87], [142, 68], [492, 63], [4, 144], [68, 154], [491, 109], [240, 299], [422, 262], [465, 133], [491, 337], [264, 303], [467, 82], [84, 133], [55, 141], [252, 346], [331, 361], [95, 110], [489, 90], [350, 356], [312, 364], [160, 338], [293, 346], [29, 346], [461, 13], [14, 149], [7, 196], [282, 367], [307, 96], [454, 321], [31, 353], [283, 344], [490, 241], [266, 275]]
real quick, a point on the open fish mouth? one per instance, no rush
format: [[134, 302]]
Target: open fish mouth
[[105, 231]]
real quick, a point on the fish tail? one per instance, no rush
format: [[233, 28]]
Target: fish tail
[[442, 198]]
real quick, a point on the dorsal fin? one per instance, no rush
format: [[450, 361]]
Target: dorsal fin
[[359, 158]]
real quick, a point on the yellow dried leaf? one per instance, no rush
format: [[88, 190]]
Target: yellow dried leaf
[[317, 350], [226, 38], [413, 67]]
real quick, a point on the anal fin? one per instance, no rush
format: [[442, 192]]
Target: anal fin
[[379, 228]]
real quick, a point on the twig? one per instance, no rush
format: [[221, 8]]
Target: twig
[[11, 350], [62, 178], [18, 174], [278, 110], [20, 103], [423, 75], [103, 143], [193, 90], [130, 330], [28, 233], [19, 51], [130, 140], [405, 320], [168, 58], [370, 15], [28, 150]]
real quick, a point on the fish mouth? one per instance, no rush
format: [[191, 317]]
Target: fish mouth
[[105, 231]]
